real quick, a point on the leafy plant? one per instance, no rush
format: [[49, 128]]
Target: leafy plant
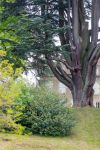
[[46, 113], [9, 90], [8, 125]]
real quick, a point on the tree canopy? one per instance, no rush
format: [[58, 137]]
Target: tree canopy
[[64, 35]]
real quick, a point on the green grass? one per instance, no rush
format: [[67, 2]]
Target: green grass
[[86, 136]]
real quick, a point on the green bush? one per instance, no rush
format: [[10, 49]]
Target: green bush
[[8, 113], [8, 125], [46, 113]]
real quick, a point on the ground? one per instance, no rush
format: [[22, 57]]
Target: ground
[[86, 136]]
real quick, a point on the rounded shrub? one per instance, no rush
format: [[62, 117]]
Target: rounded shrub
[[47, 114]]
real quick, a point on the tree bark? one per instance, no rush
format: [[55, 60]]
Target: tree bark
[[83, 92], [78, 101]]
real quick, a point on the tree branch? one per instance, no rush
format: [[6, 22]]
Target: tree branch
[[75, 22], [94, 23], [59, 75], [62, 71]]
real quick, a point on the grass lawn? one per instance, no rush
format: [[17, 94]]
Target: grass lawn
[[86, 136]]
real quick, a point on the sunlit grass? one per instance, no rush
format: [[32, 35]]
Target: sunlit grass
[[86, 136]]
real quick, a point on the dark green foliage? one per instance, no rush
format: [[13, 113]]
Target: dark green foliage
[[46, 113], [15, 8]]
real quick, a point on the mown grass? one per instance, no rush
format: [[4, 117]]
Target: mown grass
[[86, 136]]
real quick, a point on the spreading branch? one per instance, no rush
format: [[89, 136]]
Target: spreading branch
[[59, 73]]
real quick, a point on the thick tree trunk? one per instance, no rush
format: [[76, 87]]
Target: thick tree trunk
[[82, 92], [78, 100], [77, 88], [80, 84]]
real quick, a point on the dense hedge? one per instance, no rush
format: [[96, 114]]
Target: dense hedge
[[46, 113]]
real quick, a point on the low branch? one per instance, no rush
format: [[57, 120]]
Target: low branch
[[62, 60], [58, 74], [65, 75], [68, 66]]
